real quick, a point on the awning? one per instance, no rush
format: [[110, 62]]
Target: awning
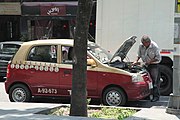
[[49, 8]]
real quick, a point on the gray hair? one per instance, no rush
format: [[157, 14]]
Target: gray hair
[[145, 38]]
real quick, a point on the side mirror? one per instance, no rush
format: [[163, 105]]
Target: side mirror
[[91, 62]]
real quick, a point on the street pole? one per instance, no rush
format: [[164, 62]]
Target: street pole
[[174, 100]]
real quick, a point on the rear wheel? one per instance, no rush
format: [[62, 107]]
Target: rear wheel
[[165, 80], [114, 96], [19, 93]]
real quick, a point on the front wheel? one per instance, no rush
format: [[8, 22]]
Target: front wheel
[[19, 93], [114, 96], [166, 80]]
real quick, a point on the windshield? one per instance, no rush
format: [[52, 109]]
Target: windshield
[[99, 53]]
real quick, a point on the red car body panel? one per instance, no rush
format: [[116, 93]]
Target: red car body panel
[[42, 83]]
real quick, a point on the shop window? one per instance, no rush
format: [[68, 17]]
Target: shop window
[[61, 29]]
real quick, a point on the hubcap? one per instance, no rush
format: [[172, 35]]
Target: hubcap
[[163, 82], [19, 95], [113, 98]]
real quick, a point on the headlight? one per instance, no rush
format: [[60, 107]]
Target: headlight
[[137, 78]]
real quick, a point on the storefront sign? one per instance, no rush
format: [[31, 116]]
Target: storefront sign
[[53, 10], [10, 8]]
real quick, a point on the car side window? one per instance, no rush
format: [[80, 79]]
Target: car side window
[[43, 53], [9, 49], [67, 54]]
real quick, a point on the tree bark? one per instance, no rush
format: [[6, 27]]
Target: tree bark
[[79, 95]]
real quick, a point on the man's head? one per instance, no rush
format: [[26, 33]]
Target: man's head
[[146, 41]]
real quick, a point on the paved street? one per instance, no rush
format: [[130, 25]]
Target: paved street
[[3, 95]]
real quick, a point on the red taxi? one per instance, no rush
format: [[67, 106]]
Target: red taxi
[[44, 68]]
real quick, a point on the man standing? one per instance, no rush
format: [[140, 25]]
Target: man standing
[[150, 55]]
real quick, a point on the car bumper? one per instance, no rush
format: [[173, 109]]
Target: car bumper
[[139, 90], [6, 84]]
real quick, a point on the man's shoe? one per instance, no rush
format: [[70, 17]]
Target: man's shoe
[[155, 99]]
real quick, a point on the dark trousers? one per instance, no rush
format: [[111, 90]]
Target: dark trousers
[[153, 70]]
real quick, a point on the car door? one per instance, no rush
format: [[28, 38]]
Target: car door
[[66, 73], [43, 75]]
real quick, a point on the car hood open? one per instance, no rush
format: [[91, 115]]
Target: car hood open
[[124, 48]]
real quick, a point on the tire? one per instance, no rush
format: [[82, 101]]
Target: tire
[[19, 93], [114, 96], [166, 80]]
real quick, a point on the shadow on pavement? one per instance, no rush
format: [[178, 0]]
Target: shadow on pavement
[[140, 104], [147, 103]]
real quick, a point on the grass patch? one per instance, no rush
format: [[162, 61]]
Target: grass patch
[[98, 112]]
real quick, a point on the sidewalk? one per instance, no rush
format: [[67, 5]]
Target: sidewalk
[[26, 111], [156, 112], [153, 113]]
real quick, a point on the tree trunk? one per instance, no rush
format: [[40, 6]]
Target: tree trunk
[[79, 95]]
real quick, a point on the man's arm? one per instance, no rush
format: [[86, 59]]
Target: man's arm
[[135, 62]]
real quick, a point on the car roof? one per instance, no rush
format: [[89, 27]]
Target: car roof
[[12, 42], [51, 41]]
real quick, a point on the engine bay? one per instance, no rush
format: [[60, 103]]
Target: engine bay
[[127, 66]]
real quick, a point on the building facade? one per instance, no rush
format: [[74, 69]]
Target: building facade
[[26, 20]]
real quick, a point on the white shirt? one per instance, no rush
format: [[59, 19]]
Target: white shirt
[[147, 54]]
